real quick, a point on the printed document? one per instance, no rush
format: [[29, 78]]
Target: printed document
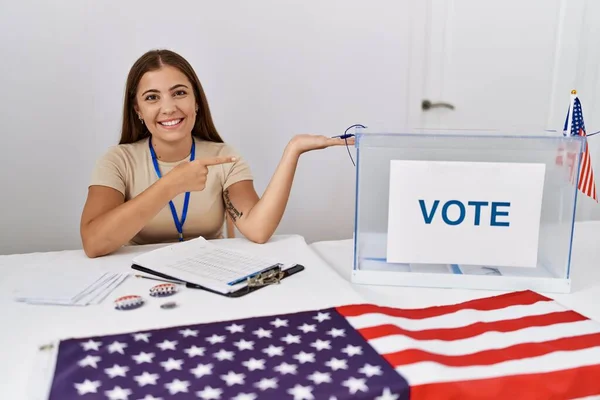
[[203, 263]]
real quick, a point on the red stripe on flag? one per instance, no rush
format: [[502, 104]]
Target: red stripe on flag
[[586, 177], [583, 173], [587, 183], [571, 383], [475, 329], [489, 357], [426, 371], [526, 297]]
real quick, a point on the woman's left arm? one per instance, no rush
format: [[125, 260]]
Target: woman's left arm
[[258, 218]]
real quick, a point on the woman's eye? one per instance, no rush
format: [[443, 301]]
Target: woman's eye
[[180, 93], [151, 97]]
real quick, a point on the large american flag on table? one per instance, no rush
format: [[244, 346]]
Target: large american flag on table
[[520, 345]]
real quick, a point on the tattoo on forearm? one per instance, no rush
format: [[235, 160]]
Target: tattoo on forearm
[[233, 212]]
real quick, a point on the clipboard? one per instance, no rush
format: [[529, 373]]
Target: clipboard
[[272, 276]]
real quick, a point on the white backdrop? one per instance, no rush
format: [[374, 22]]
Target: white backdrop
[[270, 69]]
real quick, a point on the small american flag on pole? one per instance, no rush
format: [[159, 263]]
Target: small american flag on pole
[[574, 125], [519, 345]]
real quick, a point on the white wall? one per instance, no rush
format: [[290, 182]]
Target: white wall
[[270, 69]]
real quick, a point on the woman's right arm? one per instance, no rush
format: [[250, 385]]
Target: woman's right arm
[[108, 222]]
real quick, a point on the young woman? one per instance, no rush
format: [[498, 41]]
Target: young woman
[[172, 177]]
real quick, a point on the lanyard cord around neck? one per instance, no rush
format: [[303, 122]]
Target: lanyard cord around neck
[[178, 224]]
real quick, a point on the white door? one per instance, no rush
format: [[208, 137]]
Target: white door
[[493, 65], [506, 67]]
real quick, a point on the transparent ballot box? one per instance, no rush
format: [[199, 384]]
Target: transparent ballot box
[[476, 210]]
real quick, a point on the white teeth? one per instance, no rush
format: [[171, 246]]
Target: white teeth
[[171, 123]]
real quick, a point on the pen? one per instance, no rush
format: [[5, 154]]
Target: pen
[[344, 136], [157, 279]]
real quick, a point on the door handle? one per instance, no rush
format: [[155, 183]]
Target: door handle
[[426, 105]]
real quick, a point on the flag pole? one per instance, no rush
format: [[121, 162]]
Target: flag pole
[[570, 131], [571, 105]]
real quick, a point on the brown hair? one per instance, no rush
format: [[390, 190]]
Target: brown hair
[[133, 129]]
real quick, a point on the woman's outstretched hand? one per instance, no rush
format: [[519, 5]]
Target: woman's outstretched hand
[[307, 142]]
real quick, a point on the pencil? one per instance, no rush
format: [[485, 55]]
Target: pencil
[[158, 279]]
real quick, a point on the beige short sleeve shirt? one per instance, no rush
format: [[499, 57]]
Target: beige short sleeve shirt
[[128, 168]]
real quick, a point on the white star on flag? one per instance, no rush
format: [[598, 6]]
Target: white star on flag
[[171, 364], [303, 357], [234, 328], [355, 385], [370, 370], [301, 392], [265, 384], [254, 364], [141, 336], [273, 351], [189, 332], [321, 344], [290, 339], [87, 386], [118, 393], [116, 370], [195, 351], [91, 345], [308, 328], [279, 323], [214, 339], [262, 333], [146, 379], [322, 317], [210, 393], [167, 345], [91, 361], [202, 370], [223, 354], [233, 379], [244, 345], [352, 350], [285, 368], [143, 357], [177, 386], [117, 347], [336, 332], [320, 377], [336, 364]]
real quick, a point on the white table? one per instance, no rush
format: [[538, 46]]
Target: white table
[[325, 283], [585, 267], [26, 327]]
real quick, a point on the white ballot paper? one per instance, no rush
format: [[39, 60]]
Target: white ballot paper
[[71, 288]]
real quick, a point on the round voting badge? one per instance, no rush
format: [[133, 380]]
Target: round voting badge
[[163, 290], [128, 302]]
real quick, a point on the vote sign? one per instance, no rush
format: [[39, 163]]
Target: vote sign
[[470, 213]]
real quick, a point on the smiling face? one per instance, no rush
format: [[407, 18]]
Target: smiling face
[[165, 101]]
